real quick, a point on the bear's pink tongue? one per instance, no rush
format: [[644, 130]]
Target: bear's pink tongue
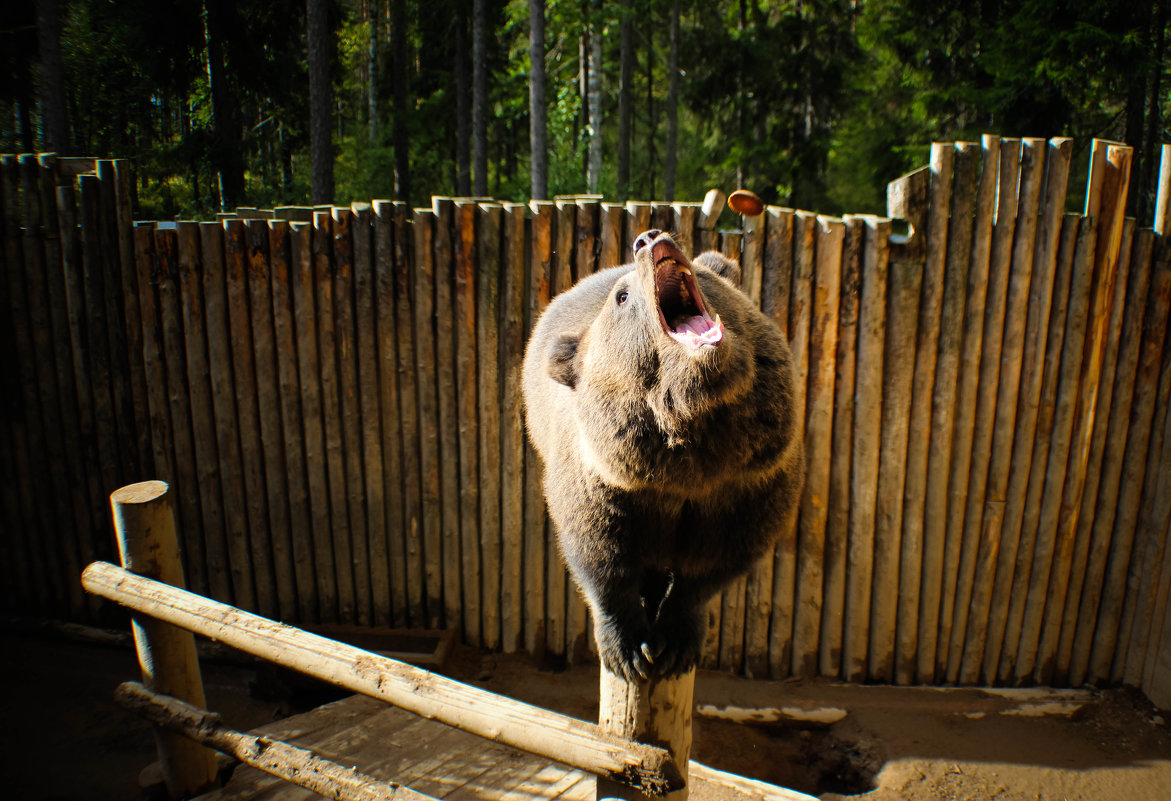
[[697, 331]]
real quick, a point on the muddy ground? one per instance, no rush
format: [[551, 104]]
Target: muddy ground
[[64, 738]]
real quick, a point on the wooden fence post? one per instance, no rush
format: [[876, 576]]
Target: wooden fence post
[[144, 523], [656, 712]]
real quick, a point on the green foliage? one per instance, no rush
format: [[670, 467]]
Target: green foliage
[[811, 103]]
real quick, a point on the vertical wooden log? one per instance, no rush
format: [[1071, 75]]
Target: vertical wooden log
[[190, 514], [752, 257], [207, 464], [837, 524], [1042, 631], [658, 712], [443, 211], [288, 245], [1099, 508], [811, 535], [800, 317], [1008, 481], [611, 241], [1005, 324], [639, 220], [919, 425], [865, 447], [347, 389], [305, 408], [324, 289], [968, 386], [145, 527], [585, 259], [943, 406], [385, 347], [538, 292], [709, 215], [488, 241], [512, 443], [405, 293], [565, 265], [777, 268], [370, 417], [425, 547], [1111, 608], [465, 369], [685, 217]]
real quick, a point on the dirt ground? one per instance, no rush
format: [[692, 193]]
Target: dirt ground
[[835, 741]]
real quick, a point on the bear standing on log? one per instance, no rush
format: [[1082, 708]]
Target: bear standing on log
[[661, 402]]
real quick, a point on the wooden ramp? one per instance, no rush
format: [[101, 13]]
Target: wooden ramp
[[394, 745]]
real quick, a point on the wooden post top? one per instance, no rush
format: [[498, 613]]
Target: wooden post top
[[142, 492]]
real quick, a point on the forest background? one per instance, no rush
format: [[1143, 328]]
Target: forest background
[[813, 104]]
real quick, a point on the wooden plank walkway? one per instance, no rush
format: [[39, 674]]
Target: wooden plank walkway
[[391, 744]]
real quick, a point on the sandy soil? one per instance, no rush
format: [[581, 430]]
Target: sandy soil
[[828, 740]]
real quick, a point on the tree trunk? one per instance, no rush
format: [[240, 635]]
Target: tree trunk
[[463, 127], [372, 70], [52, 77], [320, 101], [594, 170], [538, 141], [402, 151], [1148, 157], [672, 106], [227, 153], [625, 97], [480, 94]]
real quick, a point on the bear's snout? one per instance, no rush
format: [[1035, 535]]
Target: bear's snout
[[646, 238]]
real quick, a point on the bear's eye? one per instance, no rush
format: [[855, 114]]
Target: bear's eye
[[621, 296]]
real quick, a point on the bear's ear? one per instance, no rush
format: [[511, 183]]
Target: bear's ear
[[562, 365], [721, 265]]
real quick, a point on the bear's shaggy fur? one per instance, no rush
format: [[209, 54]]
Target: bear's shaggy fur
[[661, 403]]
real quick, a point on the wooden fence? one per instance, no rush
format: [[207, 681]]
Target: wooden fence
[[333, 393]]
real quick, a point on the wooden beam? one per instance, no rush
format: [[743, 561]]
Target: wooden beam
[[297, 765], [565, 739]]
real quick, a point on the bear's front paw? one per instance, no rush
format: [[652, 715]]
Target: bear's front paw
[[678, 645], [626, 653]]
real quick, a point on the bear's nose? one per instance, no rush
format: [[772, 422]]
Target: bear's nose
[[646, 238]]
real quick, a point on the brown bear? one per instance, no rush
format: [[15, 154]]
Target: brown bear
[[661, 402]]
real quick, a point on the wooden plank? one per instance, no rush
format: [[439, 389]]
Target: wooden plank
[[777, 267], [837, 524], [1100, 506], [1110, 611], [1003, 521], [685, 218], [512, 443], [811, 535], [88, 533], [919, 425], [539, 282], [370, 415], [291, 446], [783, 579], [324, 271], [448, 422], [1105, 271], [1004, 344], [565, 264], [464, 304], [308, 401], [558, 587], [206, 452], [423, 692], [585, 261], [904, 281], [752, 258], [966, 390], [1045, 543], [348, 389], [947, 370], [240, 409], [865, 447], [639, 220], [385, 350], [488, 240], [404, 270], [186, 480], [1024, 502], [424, 549], [612, 249], [707, 237], [27, 428]]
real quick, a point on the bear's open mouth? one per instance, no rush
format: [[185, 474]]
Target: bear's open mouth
[[682, 311]]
